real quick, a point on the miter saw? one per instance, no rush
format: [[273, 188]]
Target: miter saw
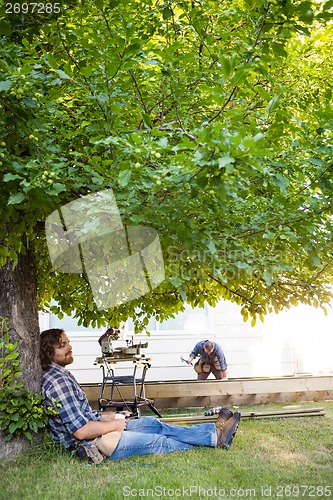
[[131, 350]]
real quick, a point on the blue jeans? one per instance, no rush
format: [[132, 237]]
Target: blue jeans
[[148, 435]]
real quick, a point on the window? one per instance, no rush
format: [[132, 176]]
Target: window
[[189, 321]]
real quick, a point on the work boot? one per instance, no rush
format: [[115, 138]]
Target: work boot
[[226, 428], [224, 414]]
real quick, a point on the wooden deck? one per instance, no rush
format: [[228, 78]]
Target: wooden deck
[[180, 394]]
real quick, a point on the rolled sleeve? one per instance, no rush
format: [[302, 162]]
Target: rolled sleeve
[[196, 349]]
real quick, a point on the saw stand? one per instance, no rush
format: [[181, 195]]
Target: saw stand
[[114, 384]]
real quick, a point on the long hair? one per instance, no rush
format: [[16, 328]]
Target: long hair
[[48, 340]]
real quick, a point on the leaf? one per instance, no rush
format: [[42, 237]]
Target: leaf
[[29, 102], [5, 27], [16, 199], [225, 160], [107, 141], [316, 161], [5, 85], [177, 282], [11, 356], [281, 181], [268, 278], [163, 142], [124, 177], [51, 60], [146, 120], [57, 188], [26, 69], [263, 93], [245, 314], [211, 246], [272, 105], [14, 426], [239, 77], [153, 62], [279, 49], [241, 265], [225, 65], [63, 75], [56, 81], [11, 177], [167, 13], [87, 71]]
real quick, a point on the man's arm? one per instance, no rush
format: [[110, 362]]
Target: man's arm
[[93, 429], [195, 352]]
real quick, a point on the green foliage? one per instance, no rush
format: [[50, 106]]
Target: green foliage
[[212, 125], [9, 362], [22, 412]]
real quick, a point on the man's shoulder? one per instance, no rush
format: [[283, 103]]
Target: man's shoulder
[[218, 348], [54, 374]]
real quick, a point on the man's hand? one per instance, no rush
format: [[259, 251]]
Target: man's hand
[[120, 424]]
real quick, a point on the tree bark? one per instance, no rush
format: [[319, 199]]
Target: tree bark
[[19, 305]]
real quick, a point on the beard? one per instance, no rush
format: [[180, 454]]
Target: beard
[[67, 359]]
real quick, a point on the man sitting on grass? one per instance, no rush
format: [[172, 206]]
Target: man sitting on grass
[[98, 435]]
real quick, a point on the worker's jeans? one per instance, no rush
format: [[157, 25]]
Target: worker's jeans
[[148, 435]]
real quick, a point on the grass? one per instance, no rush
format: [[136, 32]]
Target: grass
[[270, 458]]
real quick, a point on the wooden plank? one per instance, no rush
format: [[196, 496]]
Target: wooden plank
[[202, 401], [315, 414], [312, 383], [233, 387], [195, 419], [286, 412], [173, 394]]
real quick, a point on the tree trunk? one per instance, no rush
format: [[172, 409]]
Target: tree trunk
[[18, 303]]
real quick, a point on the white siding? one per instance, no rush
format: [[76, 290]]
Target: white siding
[[296, 341]]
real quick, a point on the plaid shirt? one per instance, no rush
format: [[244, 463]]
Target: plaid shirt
[[209, 358], [59, 386]]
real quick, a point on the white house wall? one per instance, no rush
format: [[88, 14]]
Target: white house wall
[[296, 341]]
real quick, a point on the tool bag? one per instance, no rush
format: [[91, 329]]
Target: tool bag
[[88, 450], [198, 366]]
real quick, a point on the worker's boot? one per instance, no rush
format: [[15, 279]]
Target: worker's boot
[[226, 427], [224, 414]]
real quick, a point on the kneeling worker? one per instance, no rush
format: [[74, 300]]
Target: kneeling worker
[[78, 426], [212, 360]]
